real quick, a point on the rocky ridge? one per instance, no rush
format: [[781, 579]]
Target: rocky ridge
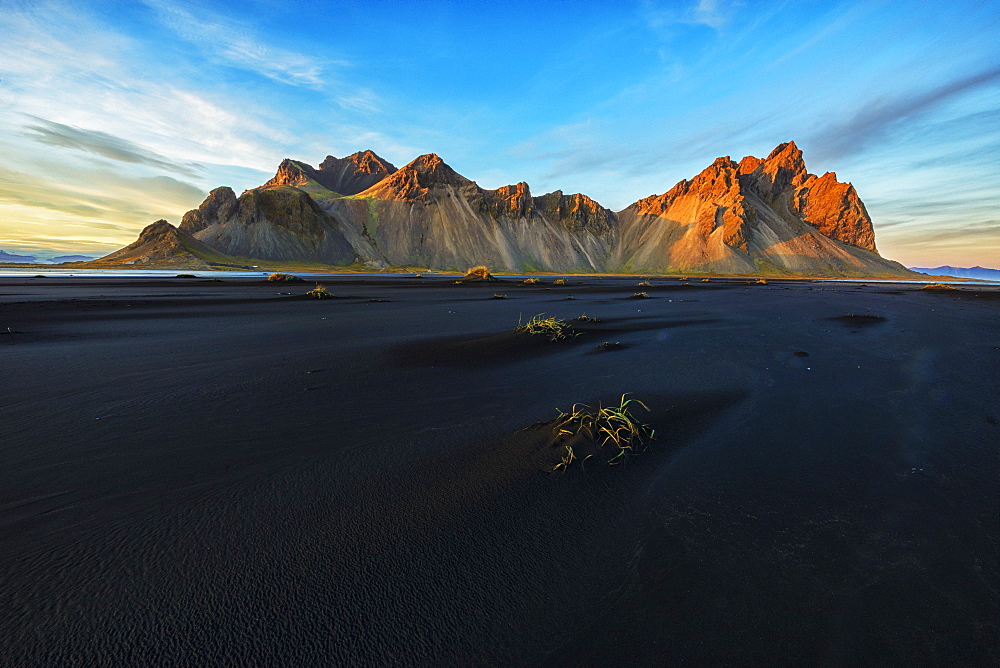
[[756, 216]]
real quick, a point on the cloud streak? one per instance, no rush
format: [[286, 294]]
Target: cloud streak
[[239, 47], [105, 145], [878, 118]]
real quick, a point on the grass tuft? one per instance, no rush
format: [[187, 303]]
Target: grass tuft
[[705, 280], [551, 327], [319, 292], [587, 318], [613, 425], [559, 281], [286, 278], [480, 273], [938, 286], [760, 281], [644, 284], [640, 295], [498, 296], [531, 281]]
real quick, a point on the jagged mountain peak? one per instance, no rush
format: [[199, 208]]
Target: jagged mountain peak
[[769, 178], [416, 179], [366, 162], [435, 170], [343, 176]]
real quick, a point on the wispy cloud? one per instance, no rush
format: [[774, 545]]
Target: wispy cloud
[[105, 145], [80, 75], [106, 198], [715, 14], [712, 13], [879, 117], [239, 46]]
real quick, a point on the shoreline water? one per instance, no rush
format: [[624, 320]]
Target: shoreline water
[[13, 272]]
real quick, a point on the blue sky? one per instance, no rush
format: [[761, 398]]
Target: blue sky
[[113, 115]]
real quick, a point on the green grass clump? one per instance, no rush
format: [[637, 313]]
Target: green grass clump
[[319, 292], [286, 278], [644, 284], [531, 281], [551, 327], [612, 424]]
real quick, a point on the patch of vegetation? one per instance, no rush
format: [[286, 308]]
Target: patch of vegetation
[[531, 281], [286, 278], [498, 296], [609, 345], [859, 319], [938, 286], [459, 282], [559, 281], [612, 424], [551, 327], [760, 281], [371, 225], [587, 318], [480, 273], [705, 280], [319, 292], [644, 284], [186, 276], [639, 295]]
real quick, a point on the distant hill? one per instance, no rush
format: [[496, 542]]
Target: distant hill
[[756, 216], [982, 273], [22, 259], [71, 258]]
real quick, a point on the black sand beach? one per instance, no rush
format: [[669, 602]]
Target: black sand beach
[[197, 472]]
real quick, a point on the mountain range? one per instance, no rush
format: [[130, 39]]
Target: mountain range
[[756, 216], [41, 259], [982, 273]]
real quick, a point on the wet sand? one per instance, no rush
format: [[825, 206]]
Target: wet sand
[[200, 472]]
